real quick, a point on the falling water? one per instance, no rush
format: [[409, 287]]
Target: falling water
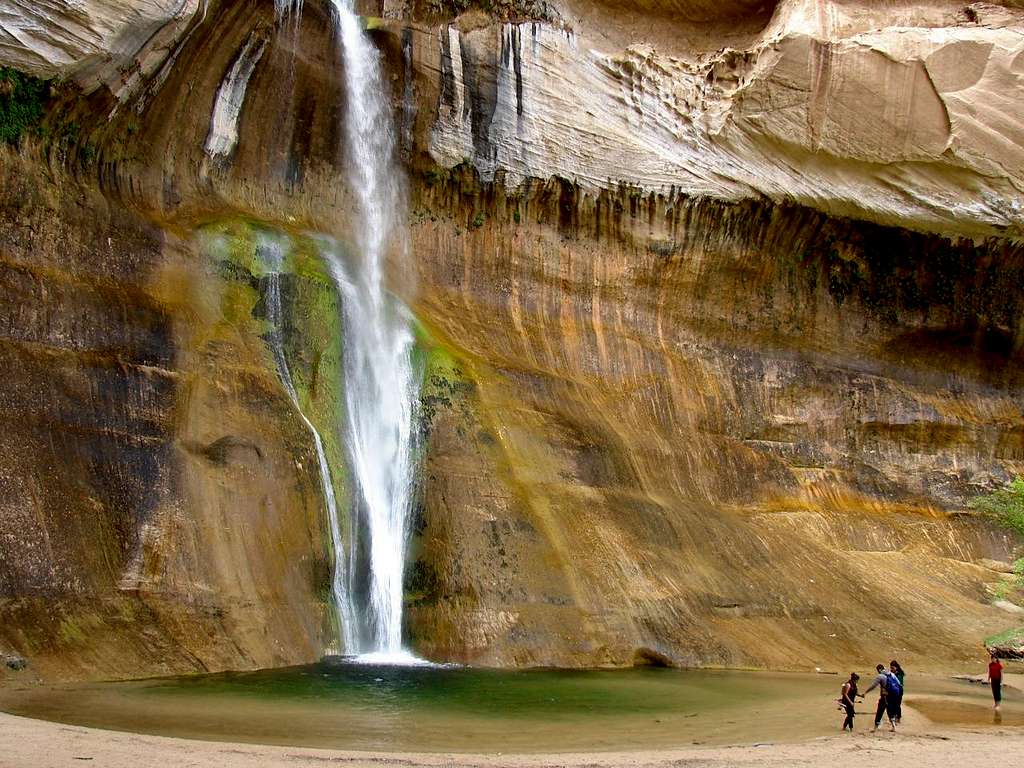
[[340, 592], [380, 384], [288, 8]]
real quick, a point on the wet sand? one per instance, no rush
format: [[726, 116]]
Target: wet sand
[[26, 743]]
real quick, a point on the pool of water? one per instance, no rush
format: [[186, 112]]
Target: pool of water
[[453, 709]]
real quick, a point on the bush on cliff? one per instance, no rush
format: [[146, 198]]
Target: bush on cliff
[[1005, 505], [1008, 644], [22, 102]]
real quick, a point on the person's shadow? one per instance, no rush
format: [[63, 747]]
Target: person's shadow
[[997, 717]]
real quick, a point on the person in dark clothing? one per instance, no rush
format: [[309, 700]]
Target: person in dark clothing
[[881, 682], [849, 694], [894, 698], [995, 677]]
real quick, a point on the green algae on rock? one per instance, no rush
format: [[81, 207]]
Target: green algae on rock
[[708, 383]]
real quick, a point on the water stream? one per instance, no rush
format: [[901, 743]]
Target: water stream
[[341, 596], [380, 383]]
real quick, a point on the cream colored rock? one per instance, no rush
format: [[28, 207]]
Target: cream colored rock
[[996, 565], [109, 42], [899, 114], [227, 108]]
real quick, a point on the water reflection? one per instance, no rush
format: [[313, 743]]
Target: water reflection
[[428, 708]]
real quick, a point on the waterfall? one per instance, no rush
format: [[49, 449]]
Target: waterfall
[[380, 383], [288, 8], [341, 596]]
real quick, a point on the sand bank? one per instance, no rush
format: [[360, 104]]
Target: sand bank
[[27, 743]]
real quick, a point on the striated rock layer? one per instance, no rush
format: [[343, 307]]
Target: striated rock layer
[[733, 442], [722, 329], [149, 523]]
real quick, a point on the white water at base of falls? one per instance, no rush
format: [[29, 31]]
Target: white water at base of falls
[[381, 386]]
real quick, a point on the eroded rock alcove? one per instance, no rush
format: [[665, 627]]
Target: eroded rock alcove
[[720, 319]]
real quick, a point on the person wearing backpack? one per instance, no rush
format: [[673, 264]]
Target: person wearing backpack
[[881, 682], [894, 692]]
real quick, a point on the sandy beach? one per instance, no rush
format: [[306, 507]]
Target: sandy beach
[[28, 743]]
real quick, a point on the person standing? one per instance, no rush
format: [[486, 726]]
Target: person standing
[[849, 694], [881, 682], [995, 677], [894, 695]]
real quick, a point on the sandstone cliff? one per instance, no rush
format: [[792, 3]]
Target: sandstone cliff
[[720, 302]]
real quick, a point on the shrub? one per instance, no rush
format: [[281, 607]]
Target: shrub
[[1005, 505], [22, 102], [1010, 637]]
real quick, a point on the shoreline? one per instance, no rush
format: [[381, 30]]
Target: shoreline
[[30, 743]]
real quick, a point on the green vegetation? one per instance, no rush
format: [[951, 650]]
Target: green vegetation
[[22, 104], [503, 9], [1007, 588], [1005, 506], [242, 254], [1009, 637], [433, 176], [422, 584], [478, 220]]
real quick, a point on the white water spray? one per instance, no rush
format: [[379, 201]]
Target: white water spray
[[380, 384], [341, 595]]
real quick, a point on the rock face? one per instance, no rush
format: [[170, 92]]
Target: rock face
[[161, 507], [721, 314], [829, 105], [714, 444], [97, 42]]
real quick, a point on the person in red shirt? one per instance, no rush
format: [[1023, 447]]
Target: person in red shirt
[[995, 677]]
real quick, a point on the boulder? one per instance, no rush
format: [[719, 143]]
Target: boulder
[[14, 662]]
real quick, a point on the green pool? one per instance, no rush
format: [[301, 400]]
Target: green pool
[[452, 709]]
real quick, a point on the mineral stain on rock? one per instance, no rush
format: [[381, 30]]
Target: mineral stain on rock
[[721, 331]]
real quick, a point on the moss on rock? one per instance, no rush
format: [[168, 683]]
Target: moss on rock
[[246, 253], [23, 101]]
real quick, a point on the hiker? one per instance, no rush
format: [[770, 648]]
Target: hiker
[[847, 696], [995, 677], [895, 694], [882, 682]]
